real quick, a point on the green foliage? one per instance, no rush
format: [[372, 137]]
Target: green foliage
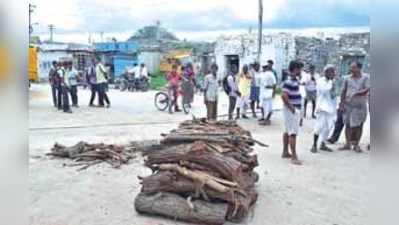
[[278, 91], [158, 81]]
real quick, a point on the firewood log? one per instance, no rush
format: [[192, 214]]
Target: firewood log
[[176, 207]]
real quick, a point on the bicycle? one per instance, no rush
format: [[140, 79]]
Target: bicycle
[[162, 101]]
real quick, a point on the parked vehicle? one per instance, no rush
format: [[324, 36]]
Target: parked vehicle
[[129, 83], [175, 57], [141, 84], [33, 74]]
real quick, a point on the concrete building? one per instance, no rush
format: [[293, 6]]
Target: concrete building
[[340, 51], [117, 56], [242, 49], [54, 51], [151, 57]]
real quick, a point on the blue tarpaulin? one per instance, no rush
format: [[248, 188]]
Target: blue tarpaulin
[[121, 62]]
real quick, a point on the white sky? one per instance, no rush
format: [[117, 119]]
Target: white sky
[[192, 19]]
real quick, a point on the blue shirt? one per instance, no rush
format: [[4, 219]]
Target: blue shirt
[[291, 88]]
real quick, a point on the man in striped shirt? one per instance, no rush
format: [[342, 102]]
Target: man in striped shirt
[[292, 111]]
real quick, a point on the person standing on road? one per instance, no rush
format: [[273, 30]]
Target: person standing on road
[[255, 89], [102, 81], [231, 89], [173, 89], [211, 87], [64, 87], [92, 80], [73, 76], [326, 109], [267, 83], [311, 90], [270, 64], [244, 87], [54, 82], [292, 100], [354, 101], [188, 84]]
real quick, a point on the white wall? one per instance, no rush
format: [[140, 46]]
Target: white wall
[[280, 48], [45, 60]]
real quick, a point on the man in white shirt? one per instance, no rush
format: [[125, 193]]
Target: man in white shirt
[[267, 84], [143, 71], [325, 108], [136, 71], [309, 91]]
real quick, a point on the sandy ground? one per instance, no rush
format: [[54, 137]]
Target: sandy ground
[[329, 189]]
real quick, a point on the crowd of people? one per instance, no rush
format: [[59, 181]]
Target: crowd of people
[[253, 88], [338, 102], [64, 80]]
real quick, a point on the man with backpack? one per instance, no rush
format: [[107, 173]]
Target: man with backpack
[[231, 89]]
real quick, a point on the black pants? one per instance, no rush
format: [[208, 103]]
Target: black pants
[[59, 97], [54, 95], [94, 90], [339, 126], [74, 95], [102, 94], [65, 99], [232, 106]]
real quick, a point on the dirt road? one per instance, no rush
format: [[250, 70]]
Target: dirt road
[[330, 188]]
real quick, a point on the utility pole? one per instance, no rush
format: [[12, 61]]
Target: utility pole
[[51, 27], [260, 29], [31, 9]]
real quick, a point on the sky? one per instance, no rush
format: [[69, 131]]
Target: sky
[[75, 20]]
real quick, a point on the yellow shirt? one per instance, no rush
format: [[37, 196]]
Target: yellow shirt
[[244, 85], [101, 74]]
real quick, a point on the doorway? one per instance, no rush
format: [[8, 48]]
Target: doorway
[[232, 60]]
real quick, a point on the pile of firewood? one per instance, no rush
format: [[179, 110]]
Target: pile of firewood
[[86, 155], [203, 172]]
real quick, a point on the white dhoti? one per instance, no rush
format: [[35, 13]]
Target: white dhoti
[[324, 124], [267, 105]]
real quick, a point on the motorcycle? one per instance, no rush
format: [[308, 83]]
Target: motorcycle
[[127, 82], [130, 83], [142, 84]]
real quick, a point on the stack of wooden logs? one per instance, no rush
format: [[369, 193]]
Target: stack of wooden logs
[[202, 173], [86, 155]]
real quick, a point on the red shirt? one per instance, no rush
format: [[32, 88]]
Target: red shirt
[[173, 79]]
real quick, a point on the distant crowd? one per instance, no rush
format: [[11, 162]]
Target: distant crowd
[[337, 102], [64, 80]]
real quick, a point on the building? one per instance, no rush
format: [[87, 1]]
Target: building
[[48, 52], [282, 48], [151, 57], [117, 56], [243, 49], [340, 51]]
